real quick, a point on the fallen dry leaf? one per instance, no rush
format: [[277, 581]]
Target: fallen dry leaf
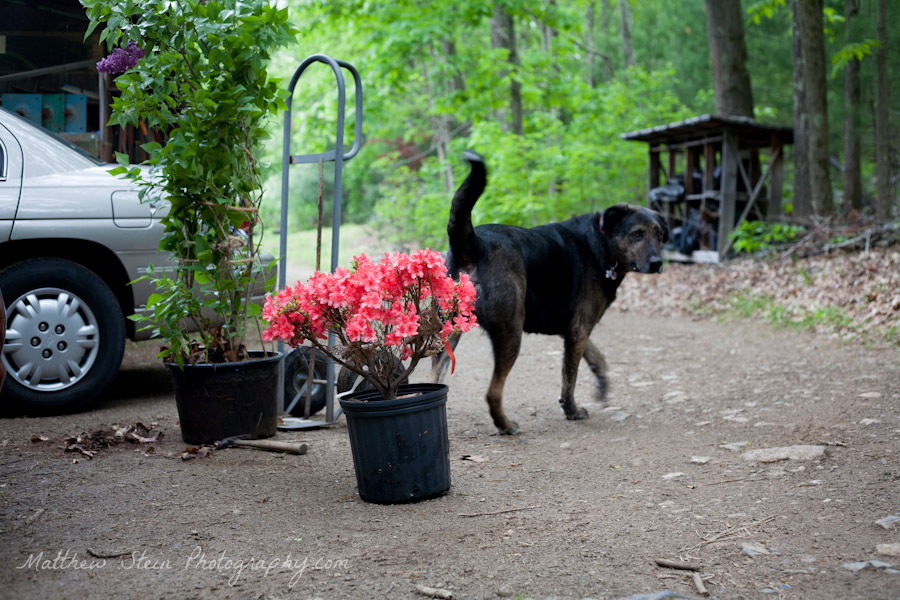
[[195, 452], [474, 458], [839, 292]]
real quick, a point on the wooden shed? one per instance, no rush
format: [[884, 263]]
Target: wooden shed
[[726, 166]]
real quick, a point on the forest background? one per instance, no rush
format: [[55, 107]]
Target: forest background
[[545, 89]]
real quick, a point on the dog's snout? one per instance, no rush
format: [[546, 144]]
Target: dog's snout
[[655, 265]]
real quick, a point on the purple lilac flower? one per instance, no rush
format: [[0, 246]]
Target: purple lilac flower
[[121, 59]]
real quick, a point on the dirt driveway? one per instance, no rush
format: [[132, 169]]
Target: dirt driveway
[[564, 510]]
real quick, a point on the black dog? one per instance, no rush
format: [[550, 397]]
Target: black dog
[[556, 279]]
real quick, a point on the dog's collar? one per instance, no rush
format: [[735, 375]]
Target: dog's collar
[[613, 273]]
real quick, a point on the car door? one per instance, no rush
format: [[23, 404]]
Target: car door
[[10, 180]]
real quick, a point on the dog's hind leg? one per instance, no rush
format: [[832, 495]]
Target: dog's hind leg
[[506, 350], [440, 362], [574, 346], [597, 363]]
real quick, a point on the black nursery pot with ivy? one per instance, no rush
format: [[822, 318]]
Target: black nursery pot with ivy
[[194, 71]]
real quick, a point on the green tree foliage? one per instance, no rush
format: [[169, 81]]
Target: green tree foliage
[[435, 85]]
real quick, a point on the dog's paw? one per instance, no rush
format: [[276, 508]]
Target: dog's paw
[[577, 414], [511, 428]]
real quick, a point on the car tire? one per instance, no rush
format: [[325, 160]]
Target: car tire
[[65, 337]]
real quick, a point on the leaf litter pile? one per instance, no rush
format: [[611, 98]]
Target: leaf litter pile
[[848, 294], [89, 444]]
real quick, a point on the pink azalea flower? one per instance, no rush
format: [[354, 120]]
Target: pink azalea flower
[[375, 306]]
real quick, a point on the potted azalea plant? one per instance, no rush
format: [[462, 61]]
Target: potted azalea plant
[[194, 72], [386, 316]]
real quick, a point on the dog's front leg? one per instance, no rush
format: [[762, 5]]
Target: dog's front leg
[[597, 363], [574, 350]]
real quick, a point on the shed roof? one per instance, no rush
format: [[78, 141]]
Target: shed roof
[[704, 125]]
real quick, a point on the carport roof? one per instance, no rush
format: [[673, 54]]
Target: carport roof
[[705, 125]]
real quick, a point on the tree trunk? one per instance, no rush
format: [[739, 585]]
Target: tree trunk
[[503, 35], [589, 45], [882, 127], [627, 20], [440, 123], [725, 34], [802, 193], [852, 173], [812, 39], [458, 83]]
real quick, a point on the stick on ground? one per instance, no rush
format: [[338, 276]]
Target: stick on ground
[[676, 564]]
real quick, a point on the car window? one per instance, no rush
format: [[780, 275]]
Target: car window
[[48, 153]]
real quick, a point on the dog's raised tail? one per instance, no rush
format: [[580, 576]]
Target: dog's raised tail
[[464, 244]]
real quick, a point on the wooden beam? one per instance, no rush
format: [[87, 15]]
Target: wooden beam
[[673, 154], [776, 166], [753, 197], [690, 166], [728, 191], [709, 167], [654, 168]]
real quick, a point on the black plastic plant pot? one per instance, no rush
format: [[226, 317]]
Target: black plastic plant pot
[[401, 450], [223, 400]]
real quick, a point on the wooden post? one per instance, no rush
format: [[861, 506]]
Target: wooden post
[[776, 166], [755, 174], [654, 167], [709, 166], [728, 191], [673, 154], [690, 166]]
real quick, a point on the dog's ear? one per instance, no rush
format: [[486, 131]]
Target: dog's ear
[[612, 217]]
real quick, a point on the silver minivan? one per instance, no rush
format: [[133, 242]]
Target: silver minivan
[[72, 239]]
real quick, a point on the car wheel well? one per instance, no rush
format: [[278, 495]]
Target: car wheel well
[[90, 255]]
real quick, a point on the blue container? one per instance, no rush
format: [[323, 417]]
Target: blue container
[[401, 449]]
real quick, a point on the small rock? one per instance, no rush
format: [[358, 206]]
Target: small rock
[[734, 446], [619, 416], [767, 455], [869, 421], [673, 475], [674, 397], [888, 549], [735, 418], [699, 460], [702, 423], [870, 395], [859, 566], [753, 549], [565, 445], [889, 523], [506, 591]]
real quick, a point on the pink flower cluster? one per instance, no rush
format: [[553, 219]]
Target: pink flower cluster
[[402, 304]]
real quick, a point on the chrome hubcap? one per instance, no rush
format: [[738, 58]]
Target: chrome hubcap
[[52, 339]]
